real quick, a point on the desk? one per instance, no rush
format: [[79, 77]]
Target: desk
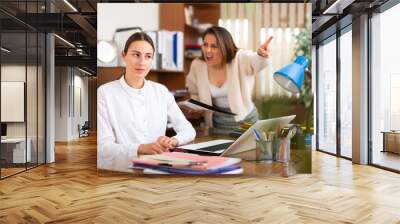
[[13, 150], [300, 162], [391, 141]]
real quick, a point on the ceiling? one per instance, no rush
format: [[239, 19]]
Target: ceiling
[[330, 15], [78, 27], [72, 20], [77, 23]]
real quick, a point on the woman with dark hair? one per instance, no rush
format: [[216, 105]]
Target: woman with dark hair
[[224, 77], [132, 112]]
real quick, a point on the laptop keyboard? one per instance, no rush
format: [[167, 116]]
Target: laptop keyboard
[[214, 148]]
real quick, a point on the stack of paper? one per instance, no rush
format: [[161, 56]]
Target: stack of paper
[[186, 163]]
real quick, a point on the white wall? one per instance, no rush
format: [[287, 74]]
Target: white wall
[[15, 73], [69, 85], [33, 127], [61, 103], [80, 109], [111, 16]]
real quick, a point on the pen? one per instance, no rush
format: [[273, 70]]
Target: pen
[[258, 138]]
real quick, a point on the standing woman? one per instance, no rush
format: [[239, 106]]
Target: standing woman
[[132, 112], [224, 77]]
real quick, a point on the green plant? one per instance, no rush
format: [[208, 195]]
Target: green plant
[[303, 48], [303, 43], [278, 106]]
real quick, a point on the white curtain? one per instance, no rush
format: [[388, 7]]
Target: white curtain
[[250, 24]]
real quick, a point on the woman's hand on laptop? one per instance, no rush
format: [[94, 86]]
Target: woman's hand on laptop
[[167, 142], [173, 142], [152, 148], [163, 144]]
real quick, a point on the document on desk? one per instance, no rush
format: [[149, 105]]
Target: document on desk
[[153, 171], [186, 163], [197, 105]]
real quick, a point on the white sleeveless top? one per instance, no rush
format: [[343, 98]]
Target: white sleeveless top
[[219, 95]]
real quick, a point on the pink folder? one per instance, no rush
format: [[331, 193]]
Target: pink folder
[[175, 159]]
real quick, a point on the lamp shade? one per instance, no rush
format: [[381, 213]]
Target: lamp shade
[[291, 77], [106, 51]]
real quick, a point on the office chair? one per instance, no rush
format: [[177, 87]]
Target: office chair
[[84, 130]]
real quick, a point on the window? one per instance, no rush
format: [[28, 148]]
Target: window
[[327, 97], [385, 85], [22, 65], [346, 94]]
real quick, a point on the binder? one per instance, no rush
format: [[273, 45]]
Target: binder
[[170, 47], [178, 50], [154, 36]]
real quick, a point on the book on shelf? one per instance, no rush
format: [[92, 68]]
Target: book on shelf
[[193, 46], [188, 15], [169, 53]]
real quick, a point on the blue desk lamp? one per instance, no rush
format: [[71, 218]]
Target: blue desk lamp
[[291, 77]]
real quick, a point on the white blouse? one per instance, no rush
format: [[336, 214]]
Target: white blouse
[[219, 95], [128, 117], [240, 81]]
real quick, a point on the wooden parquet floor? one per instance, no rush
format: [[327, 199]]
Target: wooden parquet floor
[[72, 191]]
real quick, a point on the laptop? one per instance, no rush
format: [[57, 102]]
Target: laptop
[[224, 147]]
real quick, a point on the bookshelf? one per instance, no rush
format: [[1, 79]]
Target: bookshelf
[[203, 13], [172, 17]]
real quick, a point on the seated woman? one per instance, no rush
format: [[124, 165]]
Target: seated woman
[[224, 77], [132, 112]]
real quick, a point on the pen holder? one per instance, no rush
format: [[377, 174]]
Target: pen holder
[[264, 150], [281, 150]]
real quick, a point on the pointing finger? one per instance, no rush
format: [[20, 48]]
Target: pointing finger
[[267, 42]]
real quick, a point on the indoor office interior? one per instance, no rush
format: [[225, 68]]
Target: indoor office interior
[[356, 68], [292, 36], [22, 97], [45, 82], [50, 72], [249, 30]]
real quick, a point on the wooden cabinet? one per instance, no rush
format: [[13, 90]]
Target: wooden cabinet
[[173, 80]]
